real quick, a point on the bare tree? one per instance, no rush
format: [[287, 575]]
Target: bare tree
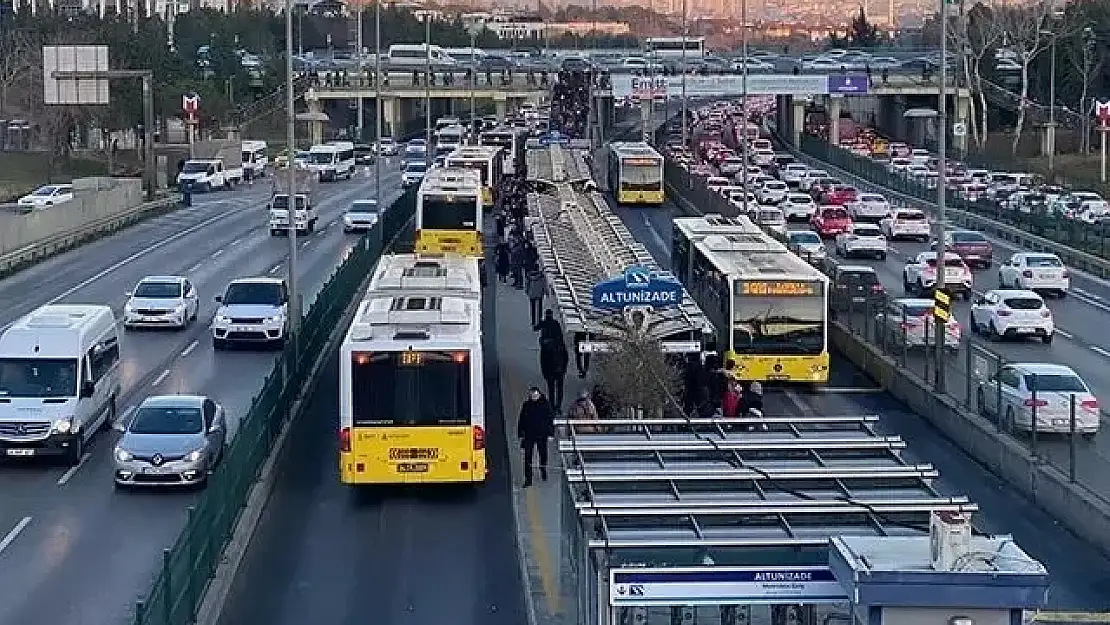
[[17, 57], [1086, 58], [975, 38], [638, 375]]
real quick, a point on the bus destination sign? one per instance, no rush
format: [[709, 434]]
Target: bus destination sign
[[779, 288], [638, 286]]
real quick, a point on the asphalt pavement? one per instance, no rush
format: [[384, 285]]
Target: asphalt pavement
[[327, 553], [72, 549], [1080, 578]]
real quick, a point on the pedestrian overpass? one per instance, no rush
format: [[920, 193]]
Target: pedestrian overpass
[[717, 86]]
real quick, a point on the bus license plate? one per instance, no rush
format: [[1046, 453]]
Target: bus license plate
[[778, 377], [21, 452], [412, 467]]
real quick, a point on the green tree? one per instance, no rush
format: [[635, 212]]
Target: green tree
[[861, 33]]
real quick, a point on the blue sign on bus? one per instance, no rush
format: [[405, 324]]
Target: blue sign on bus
[[639, 286], [554, 138]]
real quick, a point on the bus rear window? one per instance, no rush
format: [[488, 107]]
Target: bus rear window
[[410, 389]]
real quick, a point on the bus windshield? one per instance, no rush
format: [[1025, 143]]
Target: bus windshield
[[479, 166], [410, 389], [499, 140], [641, 177], [786, 325], [441, 212]]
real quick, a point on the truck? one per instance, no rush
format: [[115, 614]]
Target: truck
[[304, 192], [216, 165]]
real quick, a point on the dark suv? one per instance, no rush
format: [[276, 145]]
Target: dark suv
[[854, 287]]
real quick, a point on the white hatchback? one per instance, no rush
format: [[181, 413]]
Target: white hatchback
[[1027, 395], [798, 206], [1035, 271], [1009, 313]]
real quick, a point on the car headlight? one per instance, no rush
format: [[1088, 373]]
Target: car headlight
[[274, 319], [180, 308], [193, 456], [63, 426], [222, 319], [123, 455]]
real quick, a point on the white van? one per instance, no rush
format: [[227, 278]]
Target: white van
[[416, 54], [332, 161], [59, 380], [255, 159]]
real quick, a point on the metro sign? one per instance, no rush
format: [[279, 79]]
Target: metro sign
[[190, 104], [1102, 112]]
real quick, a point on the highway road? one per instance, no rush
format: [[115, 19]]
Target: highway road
[[1082, 342], [324, 553], [1079, 577], [72, 549]]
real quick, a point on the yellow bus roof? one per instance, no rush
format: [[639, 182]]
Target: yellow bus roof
[[739, 249]]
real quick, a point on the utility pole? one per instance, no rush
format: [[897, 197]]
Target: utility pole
[[428, 158], [291, 147], [682, 68], [361, 72], [378, 105], [942, 193], [744, 92]]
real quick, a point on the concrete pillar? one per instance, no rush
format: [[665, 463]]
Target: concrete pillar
[[391, 116], [799, 121], [315, 106], [834, 119], [963, 115]]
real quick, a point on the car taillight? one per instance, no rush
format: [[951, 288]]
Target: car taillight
[[1064, 273], [345, 440], [1039, 403], [479, 438], [1004, 313], [877, 288], [1089, 404], [1027, 274], [1046, 313]]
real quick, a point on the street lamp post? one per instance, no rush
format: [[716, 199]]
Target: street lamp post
[[942, 193], [291, 148], [744, 95], [473, 80], [427, 90], [361, 71], [1050, 132], [682, 68], [378, 105]]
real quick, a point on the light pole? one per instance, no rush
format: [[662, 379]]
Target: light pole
[[427, 90], [378, 104], [1050, 131], [682, 68], [744, 94], [291, 141], [361, 71], [473, 78], [942, 192]]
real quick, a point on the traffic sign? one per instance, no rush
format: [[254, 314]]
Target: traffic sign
[[639, 286], [959, 129], [942, 304], [190, 103], [1102, 112]]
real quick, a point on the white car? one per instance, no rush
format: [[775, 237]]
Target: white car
[[161, 302], [869, 207], [862, 239], [920, 274], [906, 223], [806, 244], [731, 166], [49, 195], [252, 310], [388, 147], [810, 177], [772, 192], [764, 157], [1035, 271], [1008, 313], [909, 322], [361, 216], [716, 183], [1018, 389], [798, 206], [413, 174], [771, 220], [793, 173]]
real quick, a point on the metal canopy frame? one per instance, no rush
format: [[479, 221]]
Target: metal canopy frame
[[581, 243], [713, 484]]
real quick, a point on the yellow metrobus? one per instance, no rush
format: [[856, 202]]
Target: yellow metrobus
[[486, 161], [770, 307], [412, 393], [636, 173], [511, 142], [449, 213]]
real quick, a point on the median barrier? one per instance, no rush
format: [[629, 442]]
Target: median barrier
[[1080, 245], [99, 206], [188, 565]]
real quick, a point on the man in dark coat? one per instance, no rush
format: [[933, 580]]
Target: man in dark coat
[[535, 425], [554, 360]]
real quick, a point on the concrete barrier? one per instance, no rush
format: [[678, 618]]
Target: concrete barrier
[[1048, 488]]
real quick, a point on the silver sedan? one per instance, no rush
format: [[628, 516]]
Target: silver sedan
[[172, 440]]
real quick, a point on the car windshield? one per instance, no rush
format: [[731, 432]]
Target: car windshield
[[259, 293], [158, 290], [835, 213], [1055, 383], [917, 310], [38, 377], [1023, 303], [195, 167], [872, 199], [416, 168], [363, 207], [951, 262], [911, 217], [44, 191], [167, 420], [867, 231], [968, 237], [321, 158], [805, 237], [859, 277], [1043, 261]]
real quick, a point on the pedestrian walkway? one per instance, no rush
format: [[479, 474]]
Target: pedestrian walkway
[[538, 509]]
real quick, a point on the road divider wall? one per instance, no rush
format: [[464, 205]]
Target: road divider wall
[[189, 564], [99, 206]]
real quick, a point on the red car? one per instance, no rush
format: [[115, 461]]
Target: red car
[[841, 194], [830, 221]]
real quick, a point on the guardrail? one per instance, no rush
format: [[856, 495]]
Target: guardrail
[[1080, 245], [188, 565], [35, 252]]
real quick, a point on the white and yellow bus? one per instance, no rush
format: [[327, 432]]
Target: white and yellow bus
[[636, 173], [483, 159], [449, 212], [511, 142], [770, 307], [412, 394]]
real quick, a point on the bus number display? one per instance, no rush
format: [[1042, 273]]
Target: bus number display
[[777, 288], [640, 162], [412, 359]]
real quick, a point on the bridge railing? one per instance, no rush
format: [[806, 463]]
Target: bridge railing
[[440, 80]]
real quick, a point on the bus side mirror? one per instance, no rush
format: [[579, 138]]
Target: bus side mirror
[[88, 389]]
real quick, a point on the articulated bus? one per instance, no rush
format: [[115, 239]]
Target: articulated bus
[[636, 173], [412, 395], [511, 140], [483, 159], [770, 307], [449, 212]]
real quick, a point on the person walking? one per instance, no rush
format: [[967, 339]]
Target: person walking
[[585, 410], [501, 262], [550, 330], [553, 365], [535, 287], [516, 261], [535, 425]]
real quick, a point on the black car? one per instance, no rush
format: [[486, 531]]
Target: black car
[[364, 154], [854, 287]]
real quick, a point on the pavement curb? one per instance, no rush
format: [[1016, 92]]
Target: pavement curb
[[219, 588]]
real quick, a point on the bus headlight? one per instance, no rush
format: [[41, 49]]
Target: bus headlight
[[63, 426]]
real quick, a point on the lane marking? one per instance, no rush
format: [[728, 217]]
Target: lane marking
[[16, 531], [217, 253], [276, 268], [68, 475], [849, 390], [305, 244], [161, 378], [1064, 333], [548, 577], [126, 414], [194, 267], [798, 402], [235, 242], [1098, 350], [188, 350], [655, 235]]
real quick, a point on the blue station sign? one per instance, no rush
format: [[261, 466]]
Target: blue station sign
[[554, 138], [639, 286], [848, 84]]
